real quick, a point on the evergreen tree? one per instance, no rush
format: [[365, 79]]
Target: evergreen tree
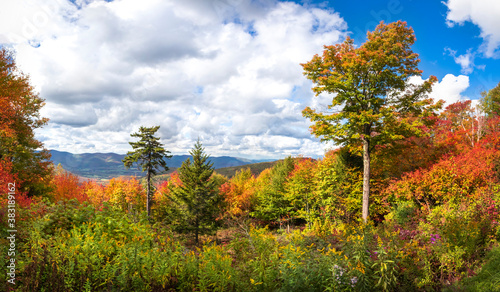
[[149, 155], [197, 200]]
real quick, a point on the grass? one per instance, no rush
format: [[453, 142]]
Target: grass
[[488, 278]]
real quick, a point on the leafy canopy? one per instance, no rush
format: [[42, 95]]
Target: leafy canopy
[[20, 153], [373, 101], [370, 88], [490, 101]]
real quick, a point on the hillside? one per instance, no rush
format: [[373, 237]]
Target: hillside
[[255, 168], [109, 165]]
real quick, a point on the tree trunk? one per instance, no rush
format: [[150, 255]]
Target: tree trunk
[[366, 179], [148, 194]]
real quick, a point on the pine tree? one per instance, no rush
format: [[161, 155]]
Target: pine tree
[[149, 155], [197, 200]]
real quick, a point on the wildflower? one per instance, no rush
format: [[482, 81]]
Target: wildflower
[[354, 280], [434, 238]]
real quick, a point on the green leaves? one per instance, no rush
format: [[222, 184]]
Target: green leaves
[[373, 102], [148, 152], [271, 201], [197, 201], [490, 101], [370, 84], [149, 155]]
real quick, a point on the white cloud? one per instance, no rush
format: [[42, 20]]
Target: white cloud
[[226, 71], [450, 88], [466, 61], [483, 13]]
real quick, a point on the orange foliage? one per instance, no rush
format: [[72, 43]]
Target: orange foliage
[[163, 190], [238, 193], [126, 193], [7, 178], [460, 126], [6, 175], [19, 117], [453, 177], [95, 193], [122, 192], [67, 186]]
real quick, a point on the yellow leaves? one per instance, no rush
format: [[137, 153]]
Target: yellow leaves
[[256, 283], [379, 241], [360, 267]]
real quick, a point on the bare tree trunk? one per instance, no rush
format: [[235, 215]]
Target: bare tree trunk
[[148, 196], [366, 179]]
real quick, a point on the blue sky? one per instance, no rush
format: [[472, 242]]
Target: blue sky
[[225, 71], [438, 43]]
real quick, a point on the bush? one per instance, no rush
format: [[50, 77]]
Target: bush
[[488, 277]]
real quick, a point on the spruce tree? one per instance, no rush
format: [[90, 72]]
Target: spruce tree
[[149, 155], [197, 201]]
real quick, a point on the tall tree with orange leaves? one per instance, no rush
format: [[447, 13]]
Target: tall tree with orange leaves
[[373, 102], [19, 116]]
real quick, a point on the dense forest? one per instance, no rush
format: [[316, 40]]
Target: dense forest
[[433, 187]]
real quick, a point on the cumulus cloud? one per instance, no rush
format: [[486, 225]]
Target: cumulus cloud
[[226, 71], [450, 88], [484, 14], [466, 61]]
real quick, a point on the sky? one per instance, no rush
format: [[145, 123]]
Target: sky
[[226, 72]]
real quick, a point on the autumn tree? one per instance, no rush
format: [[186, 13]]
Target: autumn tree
[[490, 101], [20, 106], [452, 178], [373, 101], [299, 188], [95, 192], [67, 186], [149, 155], [239, 197], [338, 185], [125, 193], [272, 204], [197, 200], [460, 126]]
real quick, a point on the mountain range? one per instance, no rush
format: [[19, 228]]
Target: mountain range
[[109, 165]]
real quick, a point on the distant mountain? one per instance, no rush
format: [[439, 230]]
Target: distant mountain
[[109, 165], [255, 168]]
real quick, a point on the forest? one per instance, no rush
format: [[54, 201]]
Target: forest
[[408, 201]]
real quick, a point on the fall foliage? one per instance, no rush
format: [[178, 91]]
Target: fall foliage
[[299, 225], [20, 152], [373, 101]]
